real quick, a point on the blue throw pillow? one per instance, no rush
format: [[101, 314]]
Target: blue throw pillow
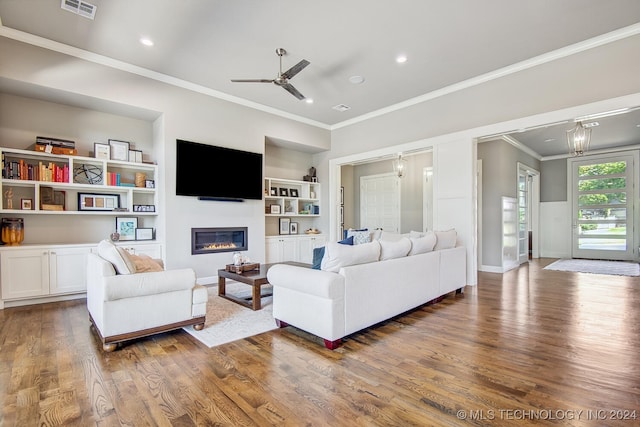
[[318, 253]]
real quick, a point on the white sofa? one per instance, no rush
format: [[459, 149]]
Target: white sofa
[[125, 304], [334, 304]]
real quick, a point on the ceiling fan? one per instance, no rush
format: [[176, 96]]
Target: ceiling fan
[[283, 78]]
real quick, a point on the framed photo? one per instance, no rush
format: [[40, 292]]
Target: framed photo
[[342, 195], [144, 208], [293, 228], [98, 202], [135, 156], [149, 183], [341, 214], [284, 192], [144, 233], [285, 224], [101, 151], [126, 226], [293, 192], [26, 204], [274, 191], [119, 150]]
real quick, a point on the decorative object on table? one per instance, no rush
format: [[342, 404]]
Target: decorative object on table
[[144, 233], [293, 228], [87, 174], [8, 198], [119, 150], [141, 180], [115, 236], [126, 226], [312, 231], [98, 202], [293, 192], [274, 191], [237, 258], [284, 225], [149, 183], [12, 230], [274, 209], [101, 151], [242, 267], [26, 204], [312, 175]]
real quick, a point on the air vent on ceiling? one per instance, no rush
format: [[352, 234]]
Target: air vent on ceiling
[[79, 7], [341, 107]]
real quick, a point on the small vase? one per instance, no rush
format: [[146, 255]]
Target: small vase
[[12, 231]]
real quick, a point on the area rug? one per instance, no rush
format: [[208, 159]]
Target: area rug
[[618, 268], [227, 321]]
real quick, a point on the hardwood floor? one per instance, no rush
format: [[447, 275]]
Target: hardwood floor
[[527, 344]]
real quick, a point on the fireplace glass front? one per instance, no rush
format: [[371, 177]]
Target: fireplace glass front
[[221, 239]]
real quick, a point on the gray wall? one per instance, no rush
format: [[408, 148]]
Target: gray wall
[[553, 180]]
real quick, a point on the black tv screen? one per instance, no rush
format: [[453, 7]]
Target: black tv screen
[[218, 173]]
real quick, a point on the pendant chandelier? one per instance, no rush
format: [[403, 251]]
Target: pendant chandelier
[[399, 166], [578, 140]]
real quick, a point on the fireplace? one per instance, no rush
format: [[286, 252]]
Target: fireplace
[[221, 239]]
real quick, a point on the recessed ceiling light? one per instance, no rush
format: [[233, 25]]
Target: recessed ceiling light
[[356, 80], [401, 59], [341, 107], [308, 100], [146, 41]]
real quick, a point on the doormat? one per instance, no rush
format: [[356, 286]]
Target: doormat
[[617, 268]]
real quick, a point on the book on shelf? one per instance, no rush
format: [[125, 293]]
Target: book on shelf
[[22, 170]]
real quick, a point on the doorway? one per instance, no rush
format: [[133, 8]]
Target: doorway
[[380, 202]]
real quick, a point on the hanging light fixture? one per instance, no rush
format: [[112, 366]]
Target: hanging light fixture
[[399, 166], [578, 140]]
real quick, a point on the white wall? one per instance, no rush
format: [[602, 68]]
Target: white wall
[[555, 230]]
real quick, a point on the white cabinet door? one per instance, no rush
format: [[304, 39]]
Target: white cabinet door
[[281, 249], [306, 245], [24, 273], [68, 270]]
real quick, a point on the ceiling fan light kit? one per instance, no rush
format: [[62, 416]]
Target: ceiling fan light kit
[[282, 79]]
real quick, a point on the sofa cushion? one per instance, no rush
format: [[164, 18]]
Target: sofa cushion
[[390, 249], [416, 234], [318, 253], [337, 256], [359, 236], [420, 245], [118, 257], [144, 263], [446, 239]]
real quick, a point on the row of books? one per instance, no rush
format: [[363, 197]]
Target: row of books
[[113, 178], [22, 170]]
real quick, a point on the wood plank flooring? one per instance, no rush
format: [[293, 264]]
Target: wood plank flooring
[[529, 346]]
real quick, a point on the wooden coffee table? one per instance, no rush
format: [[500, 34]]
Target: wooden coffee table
[[254, 278]]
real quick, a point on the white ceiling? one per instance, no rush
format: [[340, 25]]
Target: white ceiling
[[210, 42]]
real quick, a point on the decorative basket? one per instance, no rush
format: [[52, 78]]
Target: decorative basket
[[238, 269]]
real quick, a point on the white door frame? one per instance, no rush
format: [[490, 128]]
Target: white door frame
[[533, 206]]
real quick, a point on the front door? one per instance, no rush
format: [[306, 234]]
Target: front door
[[603, 207]]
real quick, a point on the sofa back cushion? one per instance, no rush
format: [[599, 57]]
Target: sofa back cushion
[[337, 256], [390, 249], [446, 239], [420, 245], [116, 256], [359, 236]]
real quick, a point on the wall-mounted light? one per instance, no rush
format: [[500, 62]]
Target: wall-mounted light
[[399, 165]]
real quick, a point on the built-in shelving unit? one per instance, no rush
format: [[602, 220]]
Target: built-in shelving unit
[[41, 183], [285, 197]]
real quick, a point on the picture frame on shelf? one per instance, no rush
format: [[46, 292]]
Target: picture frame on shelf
[[144, 208], [274, 191], [101, 151], [26, 204], [284, 192], [285, 224], [126, 227], [98, 202], [342, 195], [144, 233], [135, 156], [293, 228], [149, 183], [119, 150], [274, 209], [293, 192]]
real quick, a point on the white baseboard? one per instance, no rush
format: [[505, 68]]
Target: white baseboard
[[41, 300], [491, 269], [207, 281], [555, 255]]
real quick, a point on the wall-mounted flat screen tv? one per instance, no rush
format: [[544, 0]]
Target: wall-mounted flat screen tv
[[217, 173]]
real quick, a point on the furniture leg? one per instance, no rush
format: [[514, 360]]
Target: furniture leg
[[221, 285], [281, 324], [332, 345], [256, 304]]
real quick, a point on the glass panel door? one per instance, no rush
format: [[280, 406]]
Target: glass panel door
[[603, 208]]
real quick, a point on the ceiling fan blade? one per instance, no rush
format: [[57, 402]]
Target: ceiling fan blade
[[251, 81], [295, 69], [293, 91]]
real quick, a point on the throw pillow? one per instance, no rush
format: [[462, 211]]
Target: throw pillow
[[446, 239], [390, 236], [359, 236], [144, 263], [424, 244], [416, 234], [116, 256], [390, 249], [337, 256], [318, 253]]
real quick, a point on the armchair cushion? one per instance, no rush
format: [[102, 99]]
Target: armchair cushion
[[151, 283], [144, 263], [116, 256]]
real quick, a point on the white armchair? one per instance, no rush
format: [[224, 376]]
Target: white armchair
[[124, 304]]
